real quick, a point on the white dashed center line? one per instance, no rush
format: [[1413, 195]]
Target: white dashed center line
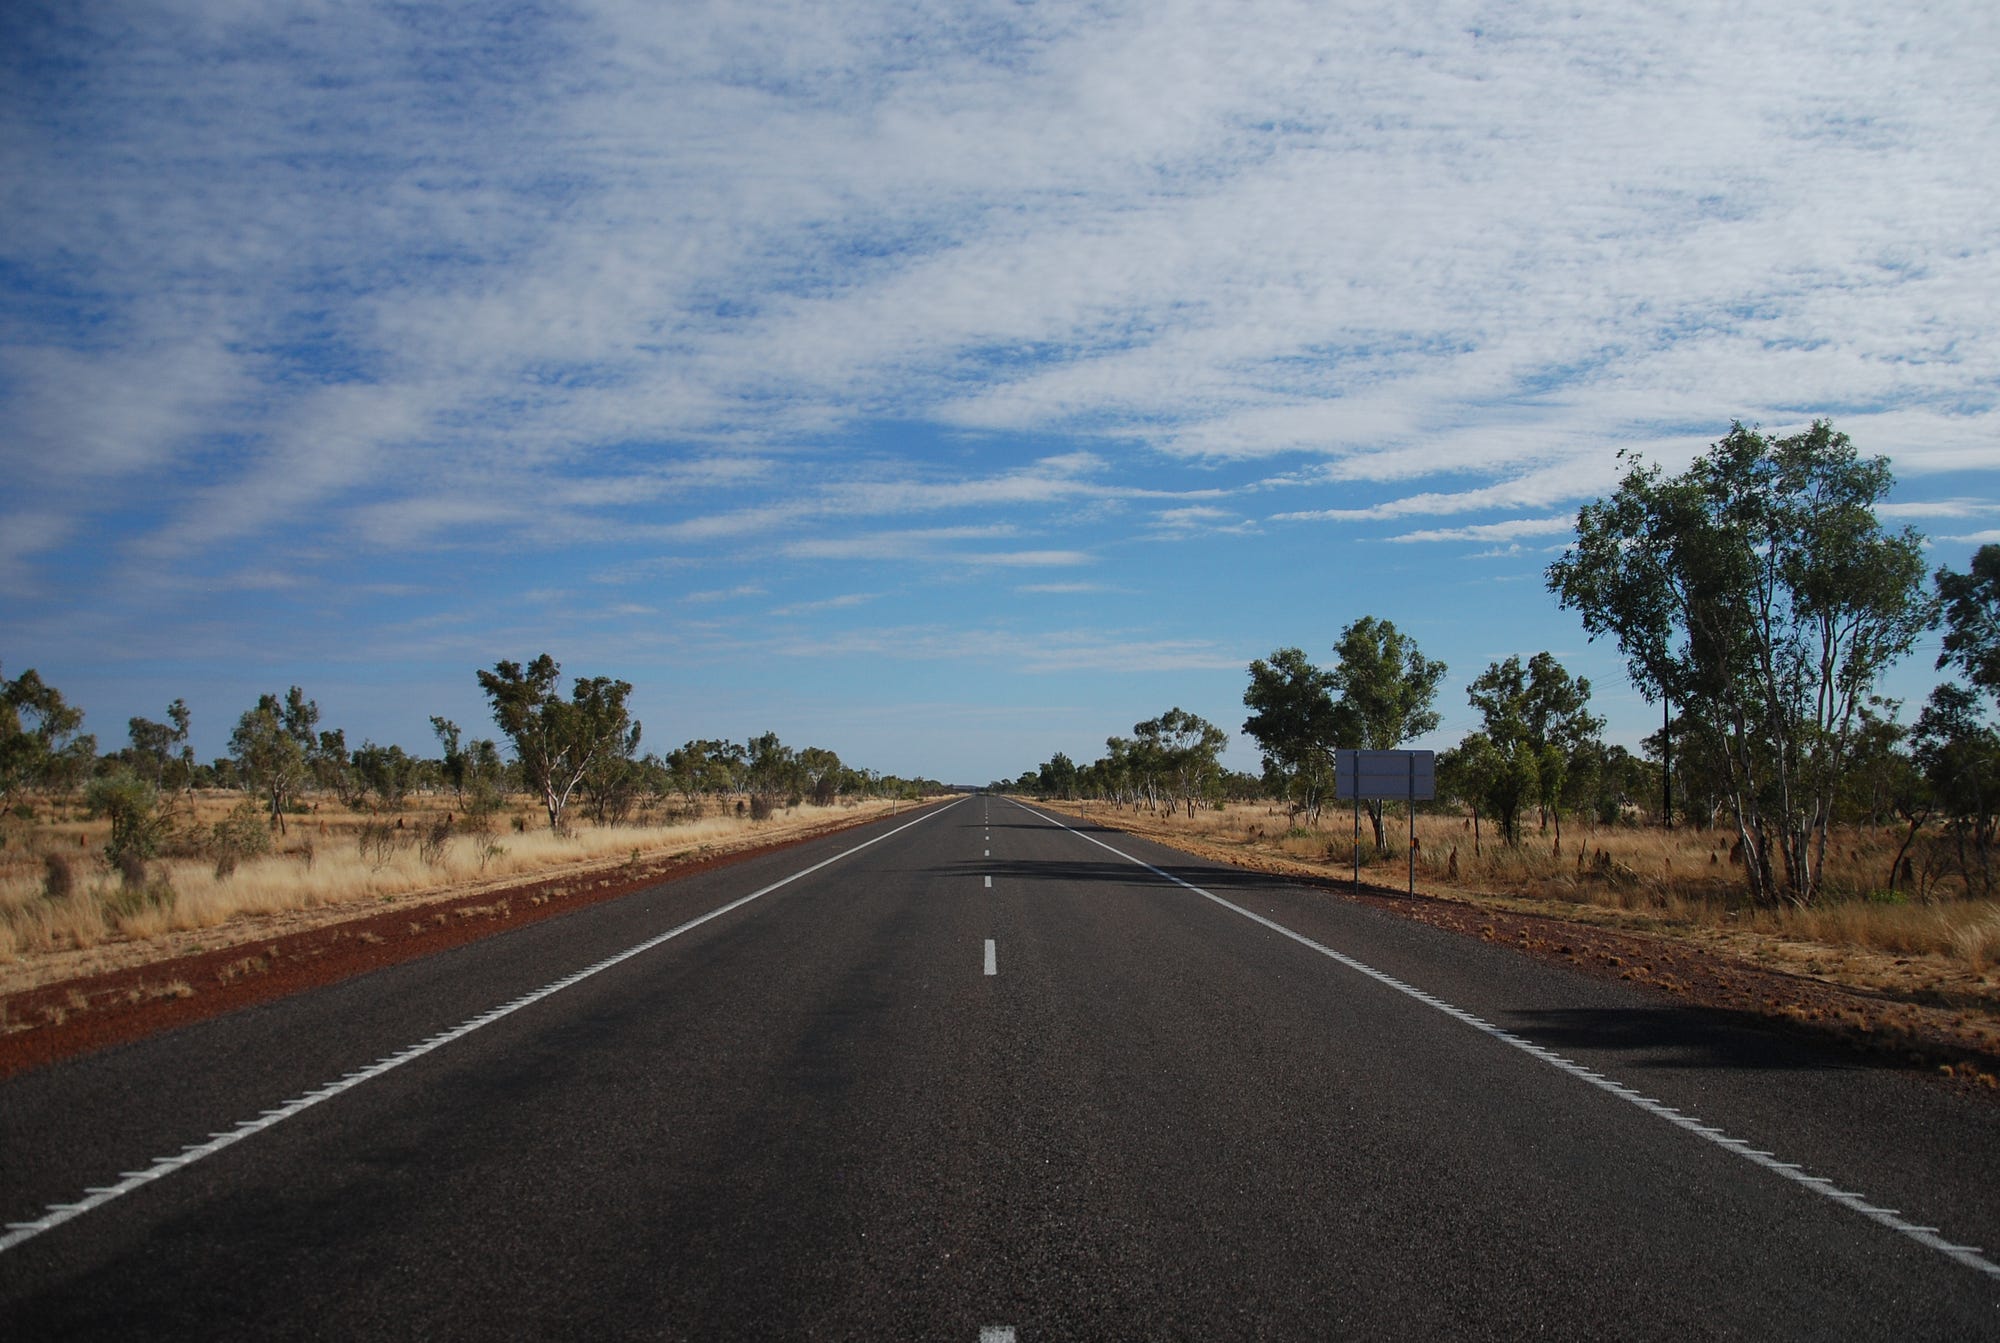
[[989, 883], [996, 1333], [992, 961]]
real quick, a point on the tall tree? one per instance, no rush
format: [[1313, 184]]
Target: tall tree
[[556, 740], [1972, 620], [1386, 688], [1759, 593], [1959, 756], [1295, 726], [1537, 719], [160, 752], [1058, 777], [38, 736], [1187, 749], [452, 760], [271, 743], [820, 774], [771, 768]]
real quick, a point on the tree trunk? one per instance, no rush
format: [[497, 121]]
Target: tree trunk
[[1917, 820]]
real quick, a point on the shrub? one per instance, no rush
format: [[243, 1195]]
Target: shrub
[[434, 841], [377, 840], [243, 833], [761, 808], [58, 877], [146, 892], [129, 802]]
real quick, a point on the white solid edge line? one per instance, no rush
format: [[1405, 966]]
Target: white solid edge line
[[58, 1213], [1928, 1237]]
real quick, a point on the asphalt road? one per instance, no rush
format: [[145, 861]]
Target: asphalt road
[[988, 1077]]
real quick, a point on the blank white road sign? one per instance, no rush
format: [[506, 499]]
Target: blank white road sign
[[1395, 775]]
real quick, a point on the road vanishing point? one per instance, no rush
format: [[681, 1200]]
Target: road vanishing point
[[985, 1073]]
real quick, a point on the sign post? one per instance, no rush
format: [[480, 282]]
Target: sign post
[[1410, 776]]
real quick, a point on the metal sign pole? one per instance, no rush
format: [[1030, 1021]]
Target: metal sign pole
[[1410, 806], [1357, 822]]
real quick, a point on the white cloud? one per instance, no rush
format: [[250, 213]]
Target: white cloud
[[1937, 508], [746, 289], [1493, 531], [1039, 652], [723, 594], [846, 601]]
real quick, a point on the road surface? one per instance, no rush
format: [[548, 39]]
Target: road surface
[[983, 1073]]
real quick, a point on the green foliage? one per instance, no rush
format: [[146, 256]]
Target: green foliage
[[39, 745], [1972, 620], [1385, 689], [1540, 733], [239, 835], [160, 751], [272, 745], [131, 804], [1295, 726], [771, 768], [1759, 593], [386, 771], [1183, 750], [1958, 755], [1057, 778], [557, 741]]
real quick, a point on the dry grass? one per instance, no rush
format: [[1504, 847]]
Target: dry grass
[[1681, 883], [331, 858]]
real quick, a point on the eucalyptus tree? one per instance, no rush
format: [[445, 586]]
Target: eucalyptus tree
[[160, 752], [557, 740], [1186, 751], [1385, 688], [1759, 593], [1538, 721], [771, 768], [273, 745], [1057, 777], [39, 741], [1294, 725], [1972, 620], [1958, 754]]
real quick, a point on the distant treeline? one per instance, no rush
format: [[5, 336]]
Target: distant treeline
[[1756, 597], [576, 749]]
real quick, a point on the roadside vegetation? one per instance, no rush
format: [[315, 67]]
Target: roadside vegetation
[[145, 840], [1783, 804]]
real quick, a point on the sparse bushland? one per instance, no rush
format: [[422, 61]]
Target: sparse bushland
[[292, 820], [1929, 938], [60, 889]]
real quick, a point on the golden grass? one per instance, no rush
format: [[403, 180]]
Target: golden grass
[[1680, 882], [324, 863]]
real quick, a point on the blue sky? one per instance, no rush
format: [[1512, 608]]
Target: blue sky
[[945, 385]]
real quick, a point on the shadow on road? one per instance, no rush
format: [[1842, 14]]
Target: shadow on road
[[1675, 1037]]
